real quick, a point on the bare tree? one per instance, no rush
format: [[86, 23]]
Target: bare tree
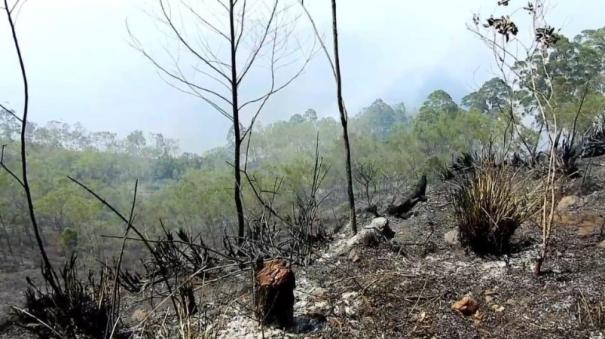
[[366, 174], [23, 181], [235, 39], [335, 65], [523, 63]]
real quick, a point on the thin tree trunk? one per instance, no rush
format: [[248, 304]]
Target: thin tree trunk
[[47, 269], [236, 127], [343, 120], [7, 235]]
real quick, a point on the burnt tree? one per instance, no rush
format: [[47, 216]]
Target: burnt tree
[[233, 39]]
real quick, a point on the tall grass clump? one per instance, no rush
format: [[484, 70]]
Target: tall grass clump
[[489, 204]]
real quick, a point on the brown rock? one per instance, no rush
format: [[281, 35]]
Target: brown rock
[[567, 202], [586, 223], [467, 306]]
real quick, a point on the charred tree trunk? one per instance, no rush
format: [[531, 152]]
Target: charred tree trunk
[[47, 269], [418, 195], [236, 127], [343, 120], [274, 294]]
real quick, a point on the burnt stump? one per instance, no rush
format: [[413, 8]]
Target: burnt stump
[[274, 295]]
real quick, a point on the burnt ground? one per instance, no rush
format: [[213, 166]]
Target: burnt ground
[[409, 296], [409, 293]]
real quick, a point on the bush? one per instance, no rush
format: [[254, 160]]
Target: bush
[[68, 240], [489, 204]]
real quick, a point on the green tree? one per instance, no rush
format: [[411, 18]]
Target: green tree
[[378, 119], [494, 97]]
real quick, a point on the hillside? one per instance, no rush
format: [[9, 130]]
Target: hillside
[[410, 293], [476, 213]]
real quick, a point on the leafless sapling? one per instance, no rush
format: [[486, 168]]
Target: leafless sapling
[[233, 40]]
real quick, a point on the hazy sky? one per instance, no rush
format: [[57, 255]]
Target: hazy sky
[[82, 68]]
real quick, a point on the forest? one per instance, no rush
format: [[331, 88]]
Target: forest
[[158, 227]]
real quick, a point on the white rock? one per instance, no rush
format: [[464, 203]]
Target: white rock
[[378, 223], [349, 295], [452, 238]]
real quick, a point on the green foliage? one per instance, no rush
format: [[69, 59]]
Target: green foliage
[[438, 103], [68, 240], [494, 97], [379, 119], [195, 191], [571, 77]]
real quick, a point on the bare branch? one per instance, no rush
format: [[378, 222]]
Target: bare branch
[[185, 43], [260, 45], [204, 21], [319, 38], [11, 173], [48, 271], [242, 25], [115, 304], [133, 228], [11, 113], [182, 79]]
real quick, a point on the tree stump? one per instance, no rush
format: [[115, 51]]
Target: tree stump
[[274, 295]]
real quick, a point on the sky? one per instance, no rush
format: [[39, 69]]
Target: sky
[[83, 68]]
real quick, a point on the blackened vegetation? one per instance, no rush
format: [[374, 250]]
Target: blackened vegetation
[[568, 155], [403, 209], [79, 308], [460, 164], [503, 25], [593, 144], [175, 254], [568, 151], [183, 254], [547, 36]]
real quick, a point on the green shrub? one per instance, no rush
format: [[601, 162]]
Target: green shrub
[[68, 240]]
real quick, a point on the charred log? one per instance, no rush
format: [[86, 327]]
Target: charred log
[[417, 195]]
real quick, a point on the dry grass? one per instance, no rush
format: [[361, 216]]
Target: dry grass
[[489, 204]]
